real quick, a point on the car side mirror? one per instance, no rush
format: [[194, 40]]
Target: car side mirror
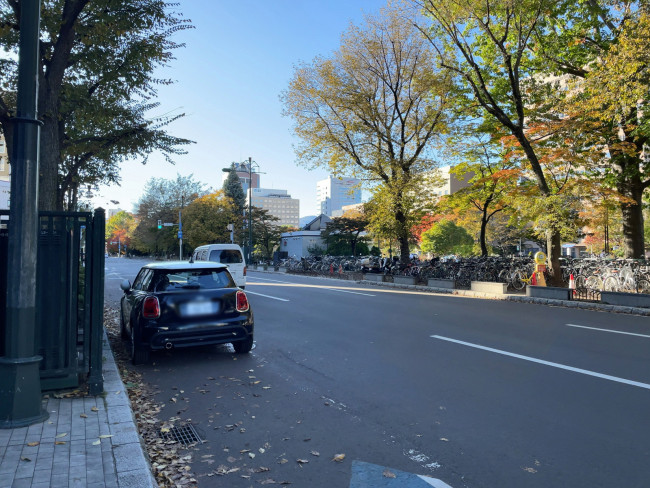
[[125, 285]]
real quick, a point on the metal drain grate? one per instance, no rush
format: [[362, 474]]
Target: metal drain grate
[[184, 434]]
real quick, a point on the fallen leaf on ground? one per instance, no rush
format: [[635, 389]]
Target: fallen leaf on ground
[[83, 416], [315, 453], [32, 444], [25, 459], [444, 439], [94, 409], [59, 443], [105, 436], [97, 442], [61, 435], [338, 458], [302, 461], [389, 474]]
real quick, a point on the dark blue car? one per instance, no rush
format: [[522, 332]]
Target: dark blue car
[[181, 304]]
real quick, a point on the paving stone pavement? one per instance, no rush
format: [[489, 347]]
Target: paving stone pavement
[[70, 450]]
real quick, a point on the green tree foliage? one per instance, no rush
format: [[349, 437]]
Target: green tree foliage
[[162, 200], [343, 234], [487, 47], [96, 83], [232, 188], [206, 219], [445, 237], [374, 109], [601, 50], [490, 179], [266, 233], [119, 229]]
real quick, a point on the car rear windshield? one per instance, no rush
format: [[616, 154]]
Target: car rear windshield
[[190, 279], [226, 256]]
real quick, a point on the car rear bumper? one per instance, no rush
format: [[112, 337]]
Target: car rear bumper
[[199, 335]]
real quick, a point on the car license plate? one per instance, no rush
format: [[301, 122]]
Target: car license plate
[[198, 308]]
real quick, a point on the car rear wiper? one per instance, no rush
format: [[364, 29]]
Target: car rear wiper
[[193, 286]]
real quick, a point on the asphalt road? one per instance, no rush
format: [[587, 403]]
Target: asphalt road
[[474, 392]]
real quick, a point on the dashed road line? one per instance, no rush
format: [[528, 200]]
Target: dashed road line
[[248, 292], [352, 292], [609, 330], [547, 363]]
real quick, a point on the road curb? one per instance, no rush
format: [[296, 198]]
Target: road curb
[[131, 463]]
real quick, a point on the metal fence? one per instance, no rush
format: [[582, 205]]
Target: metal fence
[[69, 297]]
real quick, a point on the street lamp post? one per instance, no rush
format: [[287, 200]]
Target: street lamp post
[[20, 382], [250, 163], [180, 229]]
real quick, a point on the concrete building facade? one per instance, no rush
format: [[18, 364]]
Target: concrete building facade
[[279, 204], [333, 194], [450, 183], [297, 244]]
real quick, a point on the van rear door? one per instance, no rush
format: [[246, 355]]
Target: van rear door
[[234, 260]]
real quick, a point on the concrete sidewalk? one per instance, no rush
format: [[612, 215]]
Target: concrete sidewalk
[[86, 442]]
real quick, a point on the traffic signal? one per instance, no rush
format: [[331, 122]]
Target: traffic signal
[[160, 224]]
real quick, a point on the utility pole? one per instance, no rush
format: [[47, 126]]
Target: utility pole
[[20, 382], [180, 229], [250, 213]]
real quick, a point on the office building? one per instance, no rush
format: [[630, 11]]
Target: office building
[[279, 204], [333, 193], [450, 183]]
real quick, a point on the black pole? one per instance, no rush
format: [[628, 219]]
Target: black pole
[[20, 383], [250, 213]]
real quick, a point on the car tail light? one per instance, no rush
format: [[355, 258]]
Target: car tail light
[[242, 301], [245, 268], [151, 308]]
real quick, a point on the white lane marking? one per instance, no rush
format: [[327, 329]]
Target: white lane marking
[[274, 281], [435, 482], [352, 292], [609, 330], [266, 296], [548, 363]]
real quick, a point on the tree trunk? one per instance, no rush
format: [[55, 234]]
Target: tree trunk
[[630, 186], [50, 154], [554, 251], [403, 237], [484, 222]]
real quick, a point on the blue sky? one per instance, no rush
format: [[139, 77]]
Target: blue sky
[[237, 60]]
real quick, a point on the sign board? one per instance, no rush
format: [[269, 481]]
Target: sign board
[[168, 224], [180, 234]]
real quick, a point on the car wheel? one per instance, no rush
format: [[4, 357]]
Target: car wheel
[[242, 347], [123, 332], [139, 354]]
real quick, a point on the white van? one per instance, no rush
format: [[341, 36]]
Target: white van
[[228, 254]]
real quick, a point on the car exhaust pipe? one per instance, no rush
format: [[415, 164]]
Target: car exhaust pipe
[[168, 345]]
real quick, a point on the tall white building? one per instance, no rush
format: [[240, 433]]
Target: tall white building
[[279, 204], [333, 193]]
